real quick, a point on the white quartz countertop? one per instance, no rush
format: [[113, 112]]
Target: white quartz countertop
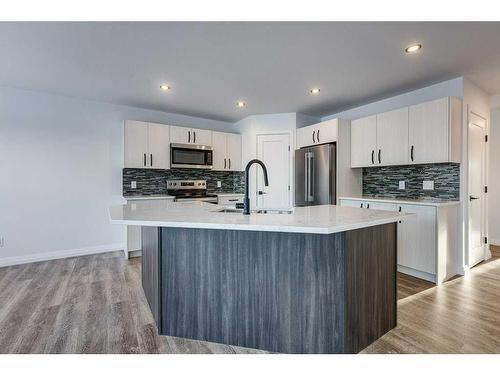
[[324, 219], [148, 197], [419, 201]]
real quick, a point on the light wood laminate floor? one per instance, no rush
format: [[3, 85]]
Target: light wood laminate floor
[[95, 304]]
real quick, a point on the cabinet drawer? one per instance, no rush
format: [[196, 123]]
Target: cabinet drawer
[[229, 200]]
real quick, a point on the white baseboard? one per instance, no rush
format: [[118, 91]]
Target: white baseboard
[[416, 273], [39, 257]]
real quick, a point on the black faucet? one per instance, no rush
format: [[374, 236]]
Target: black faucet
[[246, 201]]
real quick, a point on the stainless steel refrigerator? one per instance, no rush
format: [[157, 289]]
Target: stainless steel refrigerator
[[315, 175]]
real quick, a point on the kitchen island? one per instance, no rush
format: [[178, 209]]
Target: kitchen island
[[320, 279]]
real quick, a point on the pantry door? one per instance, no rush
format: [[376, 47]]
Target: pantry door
[[274, 151]]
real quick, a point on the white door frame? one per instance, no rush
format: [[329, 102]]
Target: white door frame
[[471, 113], [291, 155]]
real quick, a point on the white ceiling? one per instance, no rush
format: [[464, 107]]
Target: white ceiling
[[269, 65]]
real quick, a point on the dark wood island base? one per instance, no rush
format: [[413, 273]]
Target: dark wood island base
[[276, 291]]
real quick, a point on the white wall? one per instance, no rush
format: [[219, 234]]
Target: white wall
[[61, 163], [453, 87], [252, 126], [494, 177]]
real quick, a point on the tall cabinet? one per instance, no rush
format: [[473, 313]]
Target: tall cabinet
[[146, 145]]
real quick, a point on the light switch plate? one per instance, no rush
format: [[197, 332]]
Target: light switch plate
[[219, 184], [428, 185], [402, 185], [133, 185]]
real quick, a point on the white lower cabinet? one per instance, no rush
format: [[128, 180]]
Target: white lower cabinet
[[427, 238]]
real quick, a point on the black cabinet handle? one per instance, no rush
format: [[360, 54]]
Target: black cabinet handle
[[472, 198], [194, 137], [233, 200], [361, 205], [313, 136], [412, 148], [368, 205], [379, 157], [399, 209], [229, 163], [189, 136], [317, 135], [151, 159], [144, 159], [224, 163], [373, 156]]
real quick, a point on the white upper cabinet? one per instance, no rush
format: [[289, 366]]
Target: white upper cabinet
[[136, 144], [434, 131], [424, 133], [227, 151], [159, 146], [364, 142], [392, 137], [146, 145], [192, 136], [323, 132]]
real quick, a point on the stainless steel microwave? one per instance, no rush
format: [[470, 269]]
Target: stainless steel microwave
[[191, 156]]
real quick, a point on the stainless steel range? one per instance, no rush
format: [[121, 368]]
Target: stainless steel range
[[190, 190]]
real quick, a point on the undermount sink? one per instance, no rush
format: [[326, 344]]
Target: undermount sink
[[240, 211]]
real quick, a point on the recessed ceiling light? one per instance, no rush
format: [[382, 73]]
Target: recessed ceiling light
[[165, 87], [314, 91], [413, 48], [240, 104]]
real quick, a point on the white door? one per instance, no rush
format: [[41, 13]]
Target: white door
[[274, 151], [201, 137], [428, 132], [219, 151], [392, 137], [477, 182], [364, 142], [233, 151], [136, 144], [158, 146], [417, 238], [181, 135]]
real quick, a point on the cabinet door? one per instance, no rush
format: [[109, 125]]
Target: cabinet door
[[428, 132], [220, 162], [233, 151], [326, 131], [158, 146], [305, 136], [392, 137], [417, 238], [363, 142], [201, 137], [181, 135], [136, 144]]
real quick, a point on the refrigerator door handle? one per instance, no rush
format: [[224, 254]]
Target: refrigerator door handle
[[306, 176], [310, 188]]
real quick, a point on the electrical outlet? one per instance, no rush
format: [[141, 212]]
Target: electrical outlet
[[2, 241], [133, 185], [219, 184], [402, 185], [428, 185]]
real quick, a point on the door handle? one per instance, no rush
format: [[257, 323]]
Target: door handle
[[373, 156], [229, 163], [144, 159], [194, 137], [472, 198], [379, 156], [412, 148], [151, 159], [189, 136], [224, 163], [314, 131]]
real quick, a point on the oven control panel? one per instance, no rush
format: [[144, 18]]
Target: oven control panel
[[186, 184]]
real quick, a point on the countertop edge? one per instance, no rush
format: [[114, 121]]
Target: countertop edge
[[403, 201]]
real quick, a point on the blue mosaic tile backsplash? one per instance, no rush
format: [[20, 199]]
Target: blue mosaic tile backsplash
[[154, 181], [384, 181]]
